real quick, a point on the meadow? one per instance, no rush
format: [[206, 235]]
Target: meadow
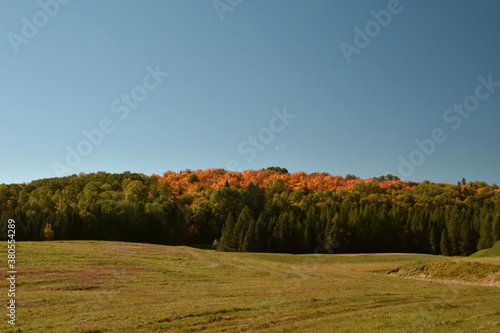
[[94, 286]]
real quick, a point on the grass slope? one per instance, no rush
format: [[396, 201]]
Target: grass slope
[[472, 273], [123, 287], [493, 252]]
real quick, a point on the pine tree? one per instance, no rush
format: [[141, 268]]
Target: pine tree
[[241, 227], [310, 230], [281, 233], [437, 222], [272, 244], [454, 226], [485, 232], [261, 238], [333, 233], [250, 241], [468, 241], [227, 240], [445, 244], [496, 228], [434, 240], [255, 199], [496, 221]]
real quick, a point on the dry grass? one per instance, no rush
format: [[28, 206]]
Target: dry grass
[[122, 287], [461, 272]]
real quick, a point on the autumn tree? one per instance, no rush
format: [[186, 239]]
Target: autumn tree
[[48, 232], [285, 212]]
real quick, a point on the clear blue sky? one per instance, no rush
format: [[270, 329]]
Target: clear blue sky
[[227, 80]]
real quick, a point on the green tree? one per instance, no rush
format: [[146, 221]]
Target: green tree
[[434, 240], [468, 241], [445, 244], [333, 233], [241, 227], [193, 179], [485, 230], [284, 233], [255, 199], [454, 227], [262, 237], [496, 228], [250, 241], [228, 242], [225, 201]]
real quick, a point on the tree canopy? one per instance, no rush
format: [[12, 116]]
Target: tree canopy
[[269, 210]]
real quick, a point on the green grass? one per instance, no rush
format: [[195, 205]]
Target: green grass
[[124, 287], [493, 252]]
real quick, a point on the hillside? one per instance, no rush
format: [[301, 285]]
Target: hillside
[[258, 211], [460, 272], [86, 287], [493, 252]]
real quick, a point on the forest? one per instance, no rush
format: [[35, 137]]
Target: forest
[[268, 210]]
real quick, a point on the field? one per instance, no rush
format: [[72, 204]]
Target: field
[[84, 286]]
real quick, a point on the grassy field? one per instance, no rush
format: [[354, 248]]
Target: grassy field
[[493, 252], [124, 287]]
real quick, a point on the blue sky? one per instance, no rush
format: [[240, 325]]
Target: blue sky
[[254, 84]]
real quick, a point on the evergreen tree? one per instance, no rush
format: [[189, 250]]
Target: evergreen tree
[[284, 233], [262, 237], [277, 236], [454, 225], [468, 241], [496, 228], [496, 220], [445, 244], [310, 229], [333, 233], [485, 231], [293, 212], [227, 241], [241, 227], [272, 244], [435, 241], [353, 224], [250, 241], [255, 199]]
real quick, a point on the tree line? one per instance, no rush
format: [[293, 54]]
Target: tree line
[[263, 211]]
